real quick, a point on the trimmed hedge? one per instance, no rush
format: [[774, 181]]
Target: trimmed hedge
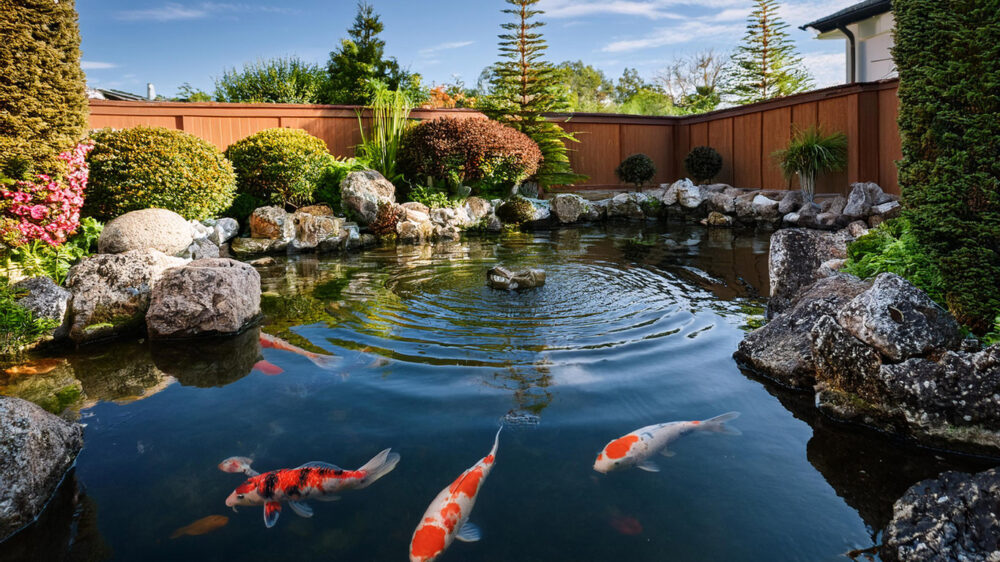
[[949, 93], [280, 166], [485, 155], [154, 167], [636, 169]]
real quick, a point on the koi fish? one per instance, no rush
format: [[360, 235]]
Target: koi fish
[[312, 481], [447, 517], [201, 526], [268, 368], [636, 448], [274, 342], [238, 464]]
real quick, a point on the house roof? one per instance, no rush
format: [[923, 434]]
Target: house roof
[[112, 94], [850, 14]]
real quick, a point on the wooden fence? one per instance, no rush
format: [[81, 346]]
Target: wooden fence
[[746, 136]]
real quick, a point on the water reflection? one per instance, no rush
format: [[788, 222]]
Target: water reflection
[[209, 362]]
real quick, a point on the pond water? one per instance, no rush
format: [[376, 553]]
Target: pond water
[[636, 325]]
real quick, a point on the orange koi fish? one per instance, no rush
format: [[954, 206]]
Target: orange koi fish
[[447, 518], [311, 481], [268, 368], [273, 342], [636, 448], [201, 526]]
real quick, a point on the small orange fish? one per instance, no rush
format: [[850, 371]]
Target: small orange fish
[[626, 525], [273, 342], [268, 368], [201, 526]]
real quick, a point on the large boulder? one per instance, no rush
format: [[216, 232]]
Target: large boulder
[[689, 195], [213, 296], [899, 320], [477, 208], [311, 230], [569, 207], [154, 229], [271, 223], [795, 260], [955, 516], [781, 350], [45, 299], [111, 292], [361, 193], [36, 450]]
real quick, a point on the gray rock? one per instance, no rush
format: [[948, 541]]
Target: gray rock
[[721, 203], [477, 208], [861, 199], [204, 297], [626, 205], [833, 205], [845, 364], [598, 210], [764, 208], [830, 221], [857, 229], [311, 230], [316, 210], [155, 229], [362, 192], [201, 248], [669, 197], [111, 292], [782, 349], [502, 278], [413, 232], [417, 207], [795, 259], [255, 246], [45, 299], [889, 210], [952, 517], [569, 207], [272, 223], [743, 205], [899, 320], [36, 450], [790, 202], [689, 195], [224, 230], [718, 220]]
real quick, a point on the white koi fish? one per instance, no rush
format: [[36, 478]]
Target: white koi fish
[[636, 448], [447, 518]]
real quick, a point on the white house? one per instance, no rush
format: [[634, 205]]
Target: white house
[[867, 26]]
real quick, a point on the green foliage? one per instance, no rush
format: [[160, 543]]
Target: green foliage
[[948, 57], [328, 184], [279, 80], [516, 210], [147, 167], [629, 85], [648, 101], [361, 59], [766, 64], [892, 247], [189, 93], [43, 104], [636, 169], [693, 81], [37, 258], [703, 163], [524, 87], [18, 327], [652, 207], [993, 337], [279, 166], [433, 198], [485, 155], [587, 88], [390, 110], [809, 153]]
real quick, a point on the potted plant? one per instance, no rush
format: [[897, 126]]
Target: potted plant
[[809, 153]]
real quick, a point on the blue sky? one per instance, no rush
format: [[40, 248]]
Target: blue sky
[[127, 43]]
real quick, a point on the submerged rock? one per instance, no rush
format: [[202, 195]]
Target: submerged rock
[[953, 517], [502, 278], [36, 450], [155, 229], [361, 193]]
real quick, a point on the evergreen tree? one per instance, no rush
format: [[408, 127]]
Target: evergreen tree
[[524, 87], [629, 85], [766, 65], [43, 101], [361, 59]]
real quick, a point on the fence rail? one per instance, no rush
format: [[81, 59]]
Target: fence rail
[[746, 136]]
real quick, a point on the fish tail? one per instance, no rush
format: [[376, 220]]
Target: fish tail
[[380, 465], [496, 441], [718, 424]]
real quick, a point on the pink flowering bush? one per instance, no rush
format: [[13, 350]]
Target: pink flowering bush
[[47, 209]]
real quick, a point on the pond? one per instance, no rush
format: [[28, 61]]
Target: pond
[[635, 325]]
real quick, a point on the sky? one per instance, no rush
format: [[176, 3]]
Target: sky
[[127, 43]]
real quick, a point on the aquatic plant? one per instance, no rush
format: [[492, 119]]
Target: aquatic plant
[[809, 153], [390, 111], [636, 169], [703, 163], [280, 166]]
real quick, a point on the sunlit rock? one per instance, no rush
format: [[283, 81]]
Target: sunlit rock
[[154, 229], [362, 192], [502, 278]]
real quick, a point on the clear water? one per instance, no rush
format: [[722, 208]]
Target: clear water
[[429, 361]]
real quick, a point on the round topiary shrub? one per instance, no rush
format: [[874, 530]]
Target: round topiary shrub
[[516, 211], [703, 163], [153, 167], [485, 155], [637, 169], [280, 166]]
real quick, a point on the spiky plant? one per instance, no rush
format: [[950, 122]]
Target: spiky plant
[[390, 111], [809, 153]]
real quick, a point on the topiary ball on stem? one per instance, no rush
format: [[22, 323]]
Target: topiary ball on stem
[[637, 169], [703, 163]]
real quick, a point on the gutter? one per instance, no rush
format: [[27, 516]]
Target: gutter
[[854, 51]]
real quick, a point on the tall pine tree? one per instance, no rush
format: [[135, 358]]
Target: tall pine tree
[[766, 64], [524, 87]]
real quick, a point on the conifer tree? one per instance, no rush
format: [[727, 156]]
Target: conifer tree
[[524, 86], [766, 64]]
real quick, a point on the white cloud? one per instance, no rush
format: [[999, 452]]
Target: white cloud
[[801, 13], [95, 65], [173, 11], [651, 9], [691, 30], [445, 47], [828, 69]]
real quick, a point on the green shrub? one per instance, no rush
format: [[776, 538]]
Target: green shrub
[[703, 163], [949, 107], [279, 80], [153, 167], [280, 166], [43, 104], [636, 169], [485, 155], [18, 326], [892, 247], [430, 196], [516, 211], [38, 258], [809, 153]]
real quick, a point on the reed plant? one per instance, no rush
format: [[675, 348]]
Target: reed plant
[[390, 112], [809, 153]]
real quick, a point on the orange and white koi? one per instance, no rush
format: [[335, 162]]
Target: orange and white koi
[[238, 464], [274, 342], [312, 481], [447, 518], [636, 448]]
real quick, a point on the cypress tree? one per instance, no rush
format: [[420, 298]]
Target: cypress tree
[[766, 64], [524, 87], [948, 56], [43, 101]]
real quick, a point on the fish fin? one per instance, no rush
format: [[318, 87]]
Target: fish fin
[[301, 509], [320, 464], [271, 512], [718, 424], [469, 532], [380, 465], [325, 362], [251, 472], [326, 498], [667, 452], [649, 466]]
